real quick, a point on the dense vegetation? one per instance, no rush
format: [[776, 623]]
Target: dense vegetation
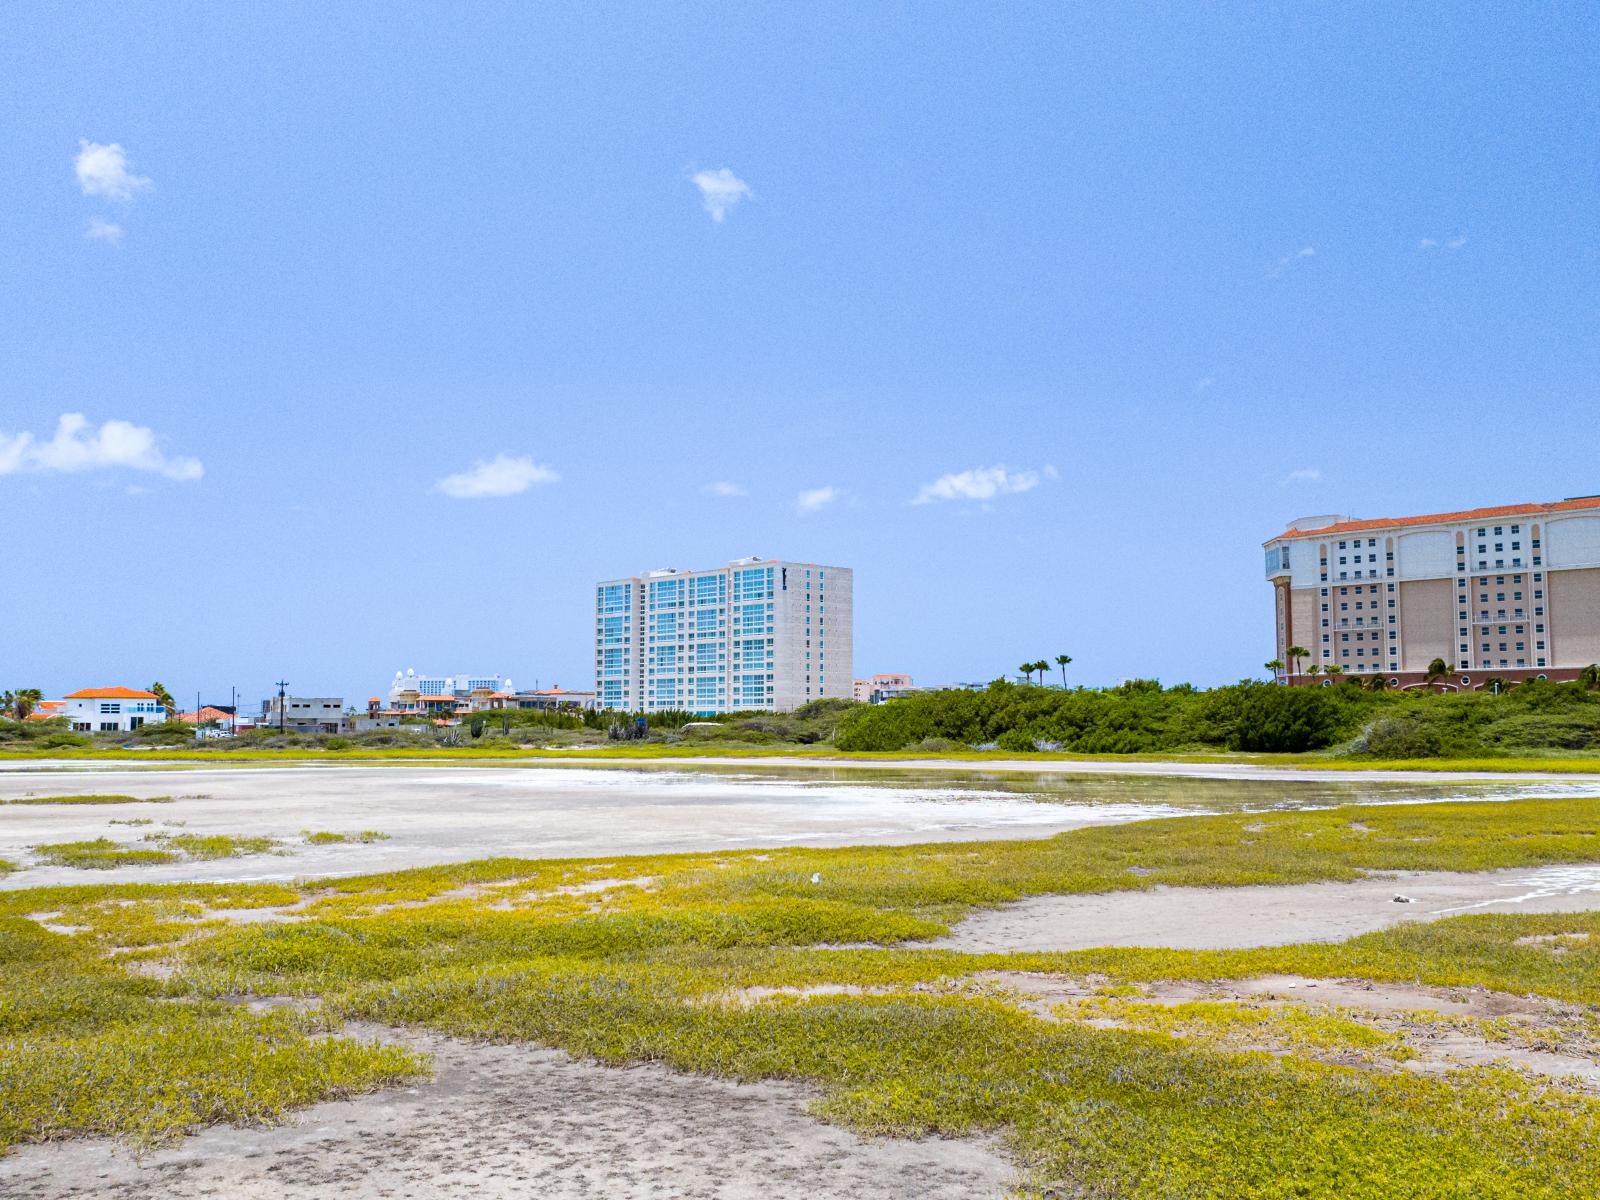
[[1220, 1100], [1534, 719], [1143, 717]]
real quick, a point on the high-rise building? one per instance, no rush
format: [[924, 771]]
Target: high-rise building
[[1496, 593], [755, 634]]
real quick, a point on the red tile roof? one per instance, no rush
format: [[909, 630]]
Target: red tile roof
[[1449, 518], [111, 693]]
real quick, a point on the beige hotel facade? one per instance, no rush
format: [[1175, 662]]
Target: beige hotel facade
[[1511, 592]]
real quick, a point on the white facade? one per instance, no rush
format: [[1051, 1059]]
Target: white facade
[[755, 634], [304, 714], [112, 710]]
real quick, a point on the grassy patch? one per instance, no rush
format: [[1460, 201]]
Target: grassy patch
[[90, 799], [104, 854], [325, 837], [200, 846], [99, 854], [653, 958]]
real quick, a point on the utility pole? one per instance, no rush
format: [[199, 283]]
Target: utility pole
[[233, 717], [282, 683]]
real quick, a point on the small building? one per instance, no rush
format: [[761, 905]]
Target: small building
[[111, 709], [879, 688], [550, 699], [303, 714], [444, 695]]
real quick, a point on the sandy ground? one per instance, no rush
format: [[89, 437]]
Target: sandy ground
[[517, 1121], [1240, 917], [438, 814]]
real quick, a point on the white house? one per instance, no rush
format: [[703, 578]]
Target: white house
[[111, 710]]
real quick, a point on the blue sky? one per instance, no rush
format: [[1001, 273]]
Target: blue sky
[[1159, 278]]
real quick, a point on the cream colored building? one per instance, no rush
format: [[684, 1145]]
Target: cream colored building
[[756, 634], [1511, 592]]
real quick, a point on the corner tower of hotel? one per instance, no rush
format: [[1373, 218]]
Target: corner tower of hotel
[[1509, 592], [755, 634]]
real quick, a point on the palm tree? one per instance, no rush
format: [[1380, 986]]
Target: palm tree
[[1589, 678], [1314, 669], [23, 702], [1296, 653], [165, 697], [1027, 669], [1061, 661], [8, 702], [1436, 671], [1043, 667], [1274, 665], [1333, 669]]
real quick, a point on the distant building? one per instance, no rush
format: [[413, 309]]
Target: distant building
[[550, 699], [304, 714], [1510, 592], [879, 688], [445, 695], [111, 709], [755, 634], [222, 714]]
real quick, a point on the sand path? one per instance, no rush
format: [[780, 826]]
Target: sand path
[[517, 1121], [1241, 917]]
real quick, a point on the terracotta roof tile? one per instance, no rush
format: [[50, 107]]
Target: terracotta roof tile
[[1449, 518], [111, 693]]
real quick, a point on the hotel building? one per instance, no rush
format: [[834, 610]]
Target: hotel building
[[1510, 592], [755, 634]]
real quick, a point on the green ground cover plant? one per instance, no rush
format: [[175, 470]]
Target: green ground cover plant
[[104, 854], [326, 837], [90, 799], [651, 959]]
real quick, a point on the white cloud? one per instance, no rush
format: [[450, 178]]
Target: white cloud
[[79, 446], [1201, 385], [500, 476], [1454, 243], [723, 488], [815, 499], [101, 230], [720, 191], [982, 483], [1288, 260], [1303, 475], [103, 171]]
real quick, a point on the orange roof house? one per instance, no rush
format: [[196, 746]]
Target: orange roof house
[[111, 693]]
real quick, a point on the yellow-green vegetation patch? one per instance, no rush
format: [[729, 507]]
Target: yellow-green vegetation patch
[[675, 958], [99, 854], [201, 846], [104, 854], [324, 837], [90, 799], [88, 1048]]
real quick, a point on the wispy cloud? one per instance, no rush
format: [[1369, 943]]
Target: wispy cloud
[[78, 446], [1289, 260], [1302, 475], [101, 230], [501, 475], [982, 483], [102, 170], [723, 488], [815, 499], [1454, 243], [720, 191]]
